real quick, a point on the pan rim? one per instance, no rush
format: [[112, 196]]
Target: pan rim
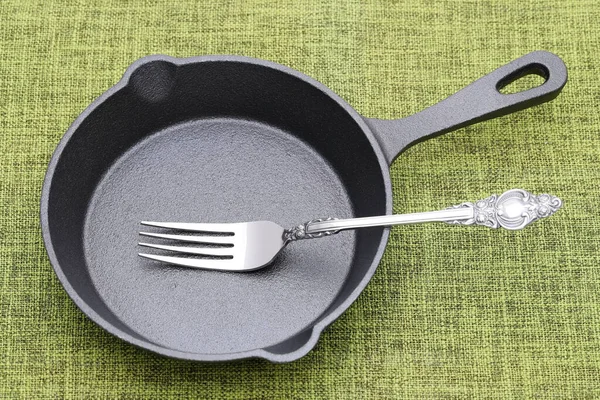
[[316, 330]]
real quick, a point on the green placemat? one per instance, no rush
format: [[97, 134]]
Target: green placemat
[[451, 313]]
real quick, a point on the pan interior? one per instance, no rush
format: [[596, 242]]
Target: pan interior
[[217, 141], [217, 170]]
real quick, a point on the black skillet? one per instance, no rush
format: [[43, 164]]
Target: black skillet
[[231, 139]]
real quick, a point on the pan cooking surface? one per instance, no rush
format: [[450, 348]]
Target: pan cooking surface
[[217, 170]]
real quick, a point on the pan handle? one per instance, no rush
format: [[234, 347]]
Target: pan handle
[[479, 101]]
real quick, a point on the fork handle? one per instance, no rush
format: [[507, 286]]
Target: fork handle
[[513, 210]]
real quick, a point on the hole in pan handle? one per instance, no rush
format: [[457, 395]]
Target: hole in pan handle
[[477, 102]]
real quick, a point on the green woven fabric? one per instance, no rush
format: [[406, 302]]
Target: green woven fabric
[[451, 312]]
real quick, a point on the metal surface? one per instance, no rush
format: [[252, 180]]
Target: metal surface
[[225, 139], [301, 231], [253, 245], [477, 102], [513, 210]]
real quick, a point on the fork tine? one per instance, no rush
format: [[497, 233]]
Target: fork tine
[[222, 265], [184, 226], [192, 239], [223, 251]]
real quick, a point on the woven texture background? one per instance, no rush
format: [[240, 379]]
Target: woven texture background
[[451, 312]]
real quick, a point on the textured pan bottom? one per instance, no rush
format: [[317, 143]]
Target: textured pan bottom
[[217, 170]]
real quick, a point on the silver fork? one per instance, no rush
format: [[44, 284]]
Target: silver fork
[[252, 245]]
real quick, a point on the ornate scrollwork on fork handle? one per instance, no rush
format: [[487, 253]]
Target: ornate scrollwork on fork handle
[[299, 232], [513, 210]]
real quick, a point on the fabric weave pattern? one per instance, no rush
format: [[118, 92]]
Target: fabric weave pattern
[[452, 312]]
